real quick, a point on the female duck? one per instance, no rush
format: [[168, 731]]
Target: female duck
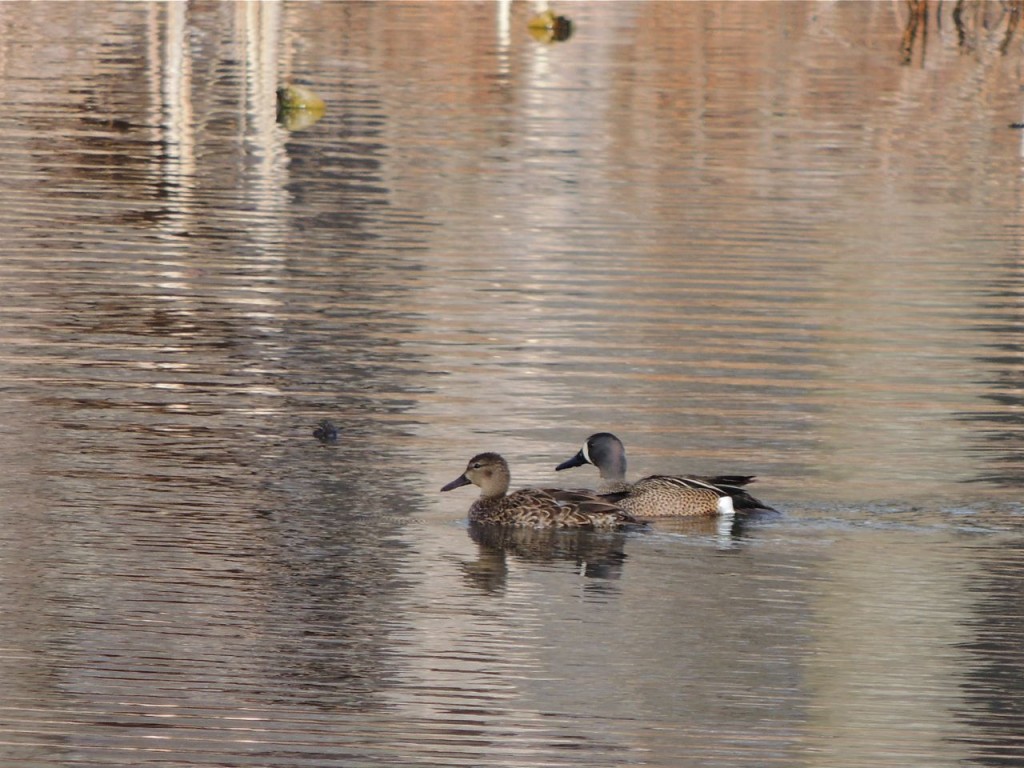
[[533, 507], [662, 495]]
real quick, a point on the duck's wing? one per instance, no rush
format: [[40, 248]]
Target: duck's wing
[[677, 483], [578, 508], [603, 513], [741, 500], [730, 481], [531, 507]]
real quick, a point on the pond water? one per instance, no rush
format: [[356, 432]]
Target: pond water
[[777, 239]]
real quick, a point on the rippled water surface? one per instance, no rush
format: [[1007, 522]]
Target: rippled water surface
[[781, 239]]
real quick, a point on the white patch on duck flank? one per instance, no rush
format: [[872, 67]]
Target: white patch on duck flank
[[725, 506]]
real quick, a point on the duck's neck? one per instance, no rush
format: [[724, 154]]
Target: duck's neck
[[495, 486], [613, 469]]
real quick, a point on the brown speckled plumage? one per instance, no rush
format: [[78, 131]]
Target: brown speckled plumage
[[665, 496], [662, 495], [532, 507]]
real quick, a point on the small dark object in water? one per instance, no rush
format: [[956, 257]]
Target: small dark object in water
[[298, 107], [326, 432], [546, 27], [297, 97], [562, 29], [1017, 126]]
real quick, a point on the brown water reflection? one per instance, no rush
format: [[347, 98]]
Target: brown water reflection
[[770, 238]]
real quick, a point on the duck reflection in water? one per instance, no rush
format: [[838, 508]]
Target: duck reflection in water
[[594, 554]]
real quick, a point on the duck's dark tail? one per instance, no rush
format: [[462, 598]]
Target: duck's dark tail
[[744, 503]]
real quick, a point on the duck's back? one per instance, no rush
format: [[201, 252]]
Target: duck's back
[[537, 508], [528, 507]]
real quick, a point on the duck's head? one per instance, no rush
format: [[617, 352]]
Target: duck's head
[[605, 451], [489, 471]]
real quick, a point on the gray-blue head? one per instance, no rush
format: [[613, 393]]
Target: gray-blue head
[[605, 451]]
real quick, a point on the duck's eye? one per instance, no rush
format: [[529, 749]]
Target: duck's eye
[[476, 465]]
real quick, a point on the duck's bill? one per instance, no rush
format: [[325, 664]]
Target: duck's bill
[[576, 461], [458, 482]]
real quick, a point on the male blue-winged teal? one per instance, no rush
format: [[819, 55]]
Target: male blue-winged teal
[[662, 495], [533, 507]]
